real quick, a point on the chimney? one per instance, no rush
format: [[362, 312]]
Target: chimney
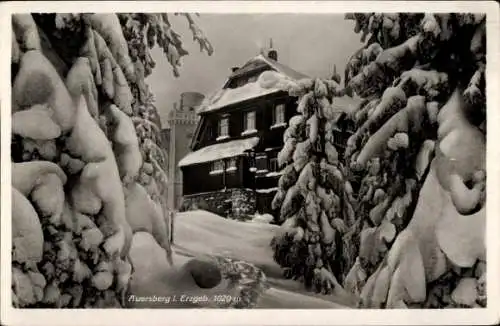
[[272, 53], [335, 75]]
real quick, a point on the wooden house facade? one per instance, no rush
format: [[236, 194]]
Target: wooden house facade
[[233, 169]]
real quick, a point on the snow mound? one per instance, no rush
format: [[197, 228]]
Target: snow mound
[[198, 214], [264, 218], [203, 218], [204, 232], [219, 151]]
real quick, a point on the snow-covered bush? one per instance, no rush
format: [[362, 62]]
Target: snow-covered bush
[[86, 153]]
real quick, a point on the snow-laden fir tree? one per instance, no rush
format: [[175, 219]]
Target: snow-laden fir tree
[[421, 139], [87, 163], [313, 194]]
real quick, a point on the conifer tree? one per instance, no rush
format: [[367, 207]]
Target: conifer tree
[[421, 128], [86, 153], [315, 206]]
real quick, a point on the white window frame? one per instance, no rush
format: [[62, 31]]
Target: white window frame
[[217, 167], [223, 128], [249, 127], [279, 116]]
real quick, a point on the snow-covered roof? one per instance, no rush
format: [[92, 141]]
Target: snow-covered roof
[[228, 96], [279, 67], [346, 104], [219, 151]]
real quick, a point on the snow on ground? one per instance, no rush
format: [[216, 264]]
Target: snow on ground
[[200, 232], [207, 233], [151, 276], [219, 151], [203, 232]]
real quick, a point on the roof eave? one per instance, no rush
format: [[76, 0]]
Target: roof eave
[[185, 161]]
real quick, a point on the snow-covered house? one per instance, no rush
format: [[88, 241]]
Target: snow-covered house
[[232, 169]]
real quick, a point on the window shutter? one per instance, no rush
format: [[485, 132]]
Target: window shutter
[[273, 164]]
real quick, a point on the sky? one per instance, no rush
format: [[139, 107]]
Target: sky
[[309, 43]]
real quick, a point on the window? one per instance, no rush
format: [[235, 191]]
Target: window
[[223, 128], [261, 163], [273, 164], [279, 115], [231, 164], [217, 167], [249, 123]]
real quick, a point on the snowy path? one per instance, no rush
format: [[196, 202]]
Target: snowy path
[[198, 233]]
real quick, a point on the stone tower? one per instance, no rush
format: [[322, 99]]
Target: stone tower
[[182, 120]]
